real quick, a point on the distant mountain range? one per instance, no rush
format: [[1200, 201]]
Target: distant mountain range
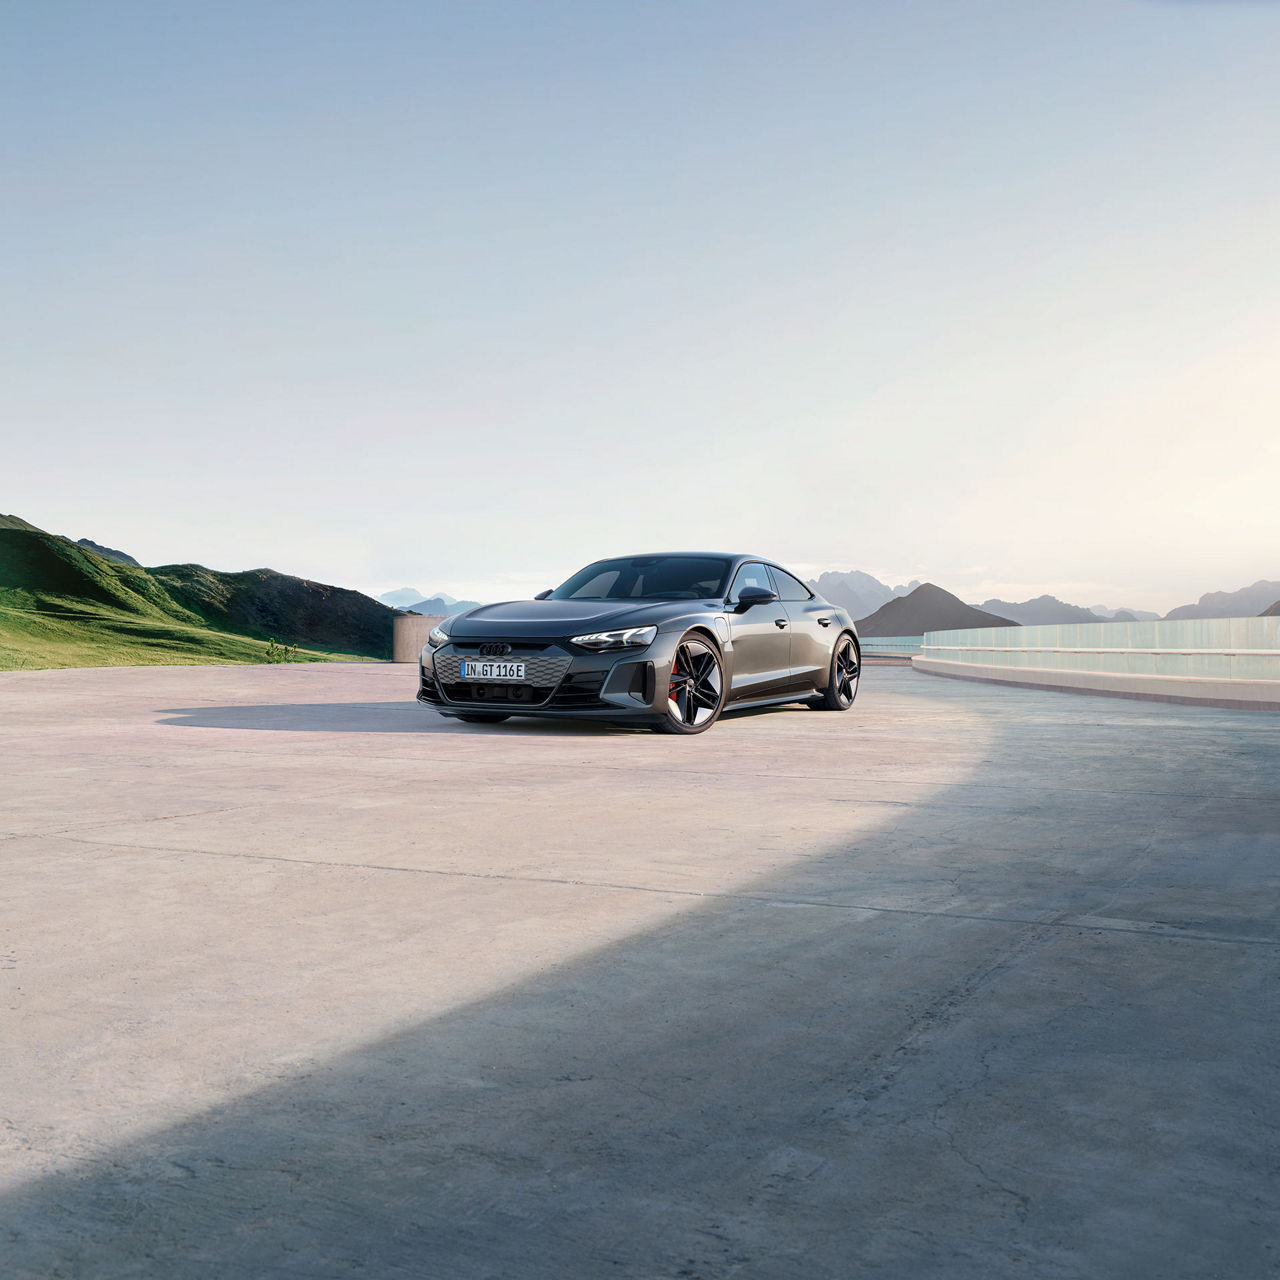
[[414, 601], [401, 597], [862, 594], [1042, 611], [442, 605], [927, 608], [858, 592], [1123, 615], [1050, 611], [1248, 602]]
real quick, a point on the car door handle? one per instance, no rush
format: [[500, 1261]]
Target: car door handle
[[779, 622], [824, 622]]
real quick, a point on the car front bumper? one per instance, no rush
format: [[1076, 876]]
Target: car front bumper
[[559, 680]]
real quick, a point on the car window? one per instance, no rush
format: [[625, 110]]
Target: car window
[[789, 588], [647, 578], [750, 575], [597, 587]]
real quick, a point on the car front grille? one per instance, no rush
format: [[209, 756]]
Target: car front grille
[[541, 670], [544, 668]]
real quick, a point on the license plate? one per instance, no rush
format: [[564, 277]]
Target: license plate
[[473, 670]]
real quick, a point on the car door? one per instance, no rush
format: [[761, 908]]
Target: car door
[[812, 629], [761, 646]]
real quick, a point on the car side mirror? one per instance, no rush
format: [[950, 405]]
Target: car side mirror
[[542, 595], [749, 597]]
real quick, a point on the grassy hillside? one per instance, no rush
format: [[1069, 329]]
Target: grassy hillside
[[262, 602], [64, 606]]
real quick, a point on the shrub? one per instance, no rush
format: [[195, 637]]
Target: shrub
[[281, 653]]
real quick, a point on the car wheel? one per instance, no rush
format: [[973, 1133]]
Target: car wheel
[[696, 691], [842, 680], [482, 717]]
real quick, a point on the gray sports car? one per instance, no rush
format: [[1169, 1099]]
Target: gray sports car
[[665, 640]]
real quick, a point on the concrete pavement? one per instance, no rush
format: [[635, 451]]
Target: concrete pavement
[[303, 980]]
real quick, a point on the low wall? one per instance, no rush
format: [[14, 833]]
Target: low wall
[[1225, 662], [409, 633]]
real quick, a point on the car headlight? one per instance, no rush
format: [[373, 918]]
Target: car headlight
[[630, 638], [437, 637]]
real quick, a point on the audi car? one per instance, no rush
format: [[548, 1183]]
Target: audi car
[[668, 641]]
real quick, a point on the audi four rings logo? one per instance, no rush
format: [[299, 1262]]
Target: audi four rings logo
[[494, 650]]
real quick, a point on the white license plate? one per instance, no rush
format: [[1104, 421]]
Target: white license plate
[[473, 670]]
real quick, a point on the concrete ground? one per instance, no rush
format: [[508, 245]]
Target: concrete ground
[[302, 980]]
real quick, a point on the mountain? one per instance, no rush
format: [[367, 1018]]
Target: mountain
[[927, 608], [265, 603], [1042, 611], [1273, 612], [401, 598], [108, 553], [1248, 602], [856, 591], [1123, 615], [64, 605], [441, 605]]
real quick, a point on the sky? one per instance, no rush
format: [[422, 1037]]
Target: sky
[[466, 295]]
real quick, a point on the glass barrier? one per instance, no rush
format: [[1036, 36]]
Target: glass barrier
[[891, 645], [1208, 648]]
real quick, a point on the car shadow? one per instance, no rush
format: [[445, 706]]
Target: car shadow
[[405, 717], [367, 717]]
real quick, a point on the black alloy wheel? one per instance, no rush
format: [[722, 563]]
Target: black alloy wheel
[[842, 681], [482, 717], [696, 690]]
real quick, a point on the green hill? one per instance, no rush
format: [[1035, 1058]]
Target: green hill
[[262, 602], [62, 605]]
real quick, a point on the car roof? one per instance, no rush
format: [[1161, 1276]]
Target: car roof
[[709, 555]]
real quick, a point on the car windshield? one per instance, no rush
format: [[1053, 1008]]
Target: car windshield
[[648, 578]]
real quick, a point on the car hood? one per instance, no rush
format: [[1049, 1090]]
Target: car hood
[[550, 619]]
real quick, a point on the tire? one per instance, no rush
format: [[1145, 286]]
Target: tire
[[842, 678], [482, 717], [696, 690]]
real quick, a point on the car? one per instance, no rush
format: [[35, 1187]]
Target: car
[[670, 641]]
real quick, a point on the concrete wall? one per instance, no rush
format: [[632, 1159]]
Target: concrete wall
[[409, 633], [1227, 662]]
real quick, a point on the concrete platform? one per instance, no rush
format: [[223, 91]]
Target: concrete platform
[[302, 980]]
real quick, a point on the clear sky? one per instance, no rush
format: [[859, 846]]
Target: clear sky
[[463, 295]]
